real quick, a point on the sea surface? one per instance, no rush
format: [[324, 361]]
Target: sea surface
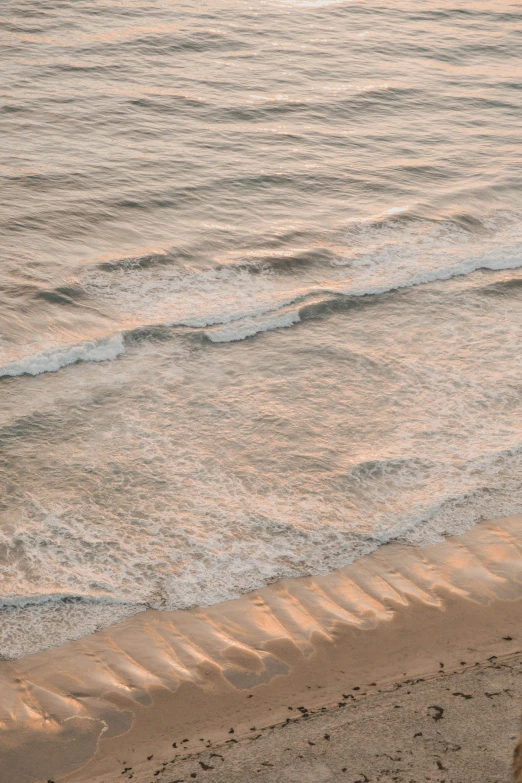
[[260, 294]]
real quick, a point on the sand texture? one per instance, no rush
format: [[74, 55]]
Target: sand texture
[[456, 728], [172, 684]]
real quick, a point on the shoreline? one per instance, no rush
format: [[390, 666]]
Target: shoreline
[[168, 684]]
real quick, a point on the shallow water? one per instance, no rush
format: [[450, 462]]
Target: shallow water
[[260, 294]]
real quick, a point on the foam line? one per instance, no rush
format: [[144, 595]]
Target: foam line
[[248, 327], [264, 638], [53, 359]]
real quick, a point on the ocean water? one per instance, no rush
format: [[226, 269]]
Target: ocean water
[[260, 294]]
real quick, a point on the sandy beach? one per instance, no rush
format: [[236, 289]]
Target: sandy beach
[[452, 727], [261, 391], [403, 666]]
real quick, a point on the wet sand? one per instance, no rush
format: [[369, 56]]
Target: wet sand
[[368, 655]]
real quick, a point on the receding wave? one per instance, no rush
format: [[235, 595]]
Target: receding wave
[[33, 623], [37, 625], [24, 601]]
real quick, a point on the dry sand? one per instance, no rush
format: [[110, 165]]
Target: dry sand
[[391, 657], [456, 728]]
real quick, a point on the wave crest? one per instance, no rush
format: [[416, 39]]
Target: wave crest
[[52, 359]]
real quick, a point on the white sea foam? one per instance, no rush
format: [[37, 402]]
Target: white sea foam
[[235, 304], [31, 624], [378, 257], [248, 327], [266, 463], [189, 472], [28, 629], [52, 359]]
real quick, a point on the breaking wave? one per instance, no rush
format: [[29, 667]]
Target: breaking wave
[[54, 359]]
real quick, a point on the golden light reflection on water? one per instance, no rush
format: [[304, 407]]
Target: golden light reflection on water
[[182, 177]]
